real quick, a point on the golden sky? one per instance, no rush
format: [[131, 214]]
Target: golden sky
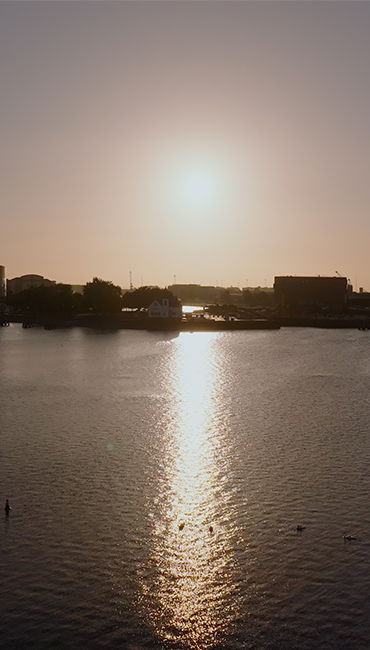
[[218, 142]]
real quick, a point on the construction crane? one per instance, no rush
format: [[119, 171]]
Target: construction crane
[[342, 276]]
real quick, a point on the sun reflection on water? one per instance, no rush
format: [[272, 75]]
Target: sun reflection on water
[[191, 602]]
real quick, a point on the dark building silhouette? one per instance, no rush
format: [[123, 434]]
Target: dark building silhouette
[[15, 285], [360, 299], [2, 281], [196, 294], [307, 294]]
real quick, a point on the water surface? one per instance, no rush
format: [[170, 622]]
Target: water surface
[[157, 480]]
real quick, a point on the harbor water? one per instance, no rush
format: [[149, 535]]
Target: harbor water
[[156, 482]]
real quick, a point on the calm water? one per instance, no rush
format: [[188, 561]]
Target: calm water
[[119, 451]]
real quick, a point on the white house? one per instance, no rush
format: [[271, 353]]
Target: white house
[[165, 308]]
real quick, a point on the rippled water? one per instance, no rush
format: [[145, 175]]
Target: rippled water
[[156, 484]]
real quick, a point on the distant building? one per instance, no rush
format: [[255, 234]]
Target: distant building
[[196, 294], [310, 293], [233, 296], [16, 285], [359, 300], [2, 282], [78, 288], [165, 308]]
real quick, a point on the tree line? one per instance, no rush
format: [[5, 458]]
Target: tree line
[[98, 297], [103, 297]]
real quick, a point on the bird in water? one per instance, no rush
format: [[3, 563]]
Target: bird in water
[[181, 526], [7, 507], [300, 528], [349, 538]]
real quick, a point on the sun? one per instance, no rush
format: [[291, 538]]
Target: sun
[[197, 188]]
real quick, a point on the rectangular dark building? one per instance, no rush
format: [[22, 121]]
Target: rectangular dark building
[[307, 294]]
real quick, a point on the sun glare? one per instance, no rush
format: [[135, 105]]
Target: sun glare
[[193, 187], [197, 188]]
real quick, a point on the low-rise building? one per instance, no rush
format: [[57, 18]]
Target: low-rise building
[[196, 294], [16, 285], [165, 308], [78, 288]]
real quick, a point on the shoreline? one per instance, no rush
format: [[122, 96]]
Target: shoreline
[[187, 325]]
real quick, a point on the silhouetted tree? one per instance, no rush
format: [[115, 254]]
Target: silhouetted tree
[[144, 296], [102, 297], [54, 300]]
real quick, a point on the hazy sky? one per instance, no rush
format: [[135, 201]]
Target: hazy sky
[[220, 142]]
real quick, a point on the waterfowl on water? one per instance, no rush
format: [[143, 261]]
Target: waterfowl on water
[[349, 538], [300, 528]]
